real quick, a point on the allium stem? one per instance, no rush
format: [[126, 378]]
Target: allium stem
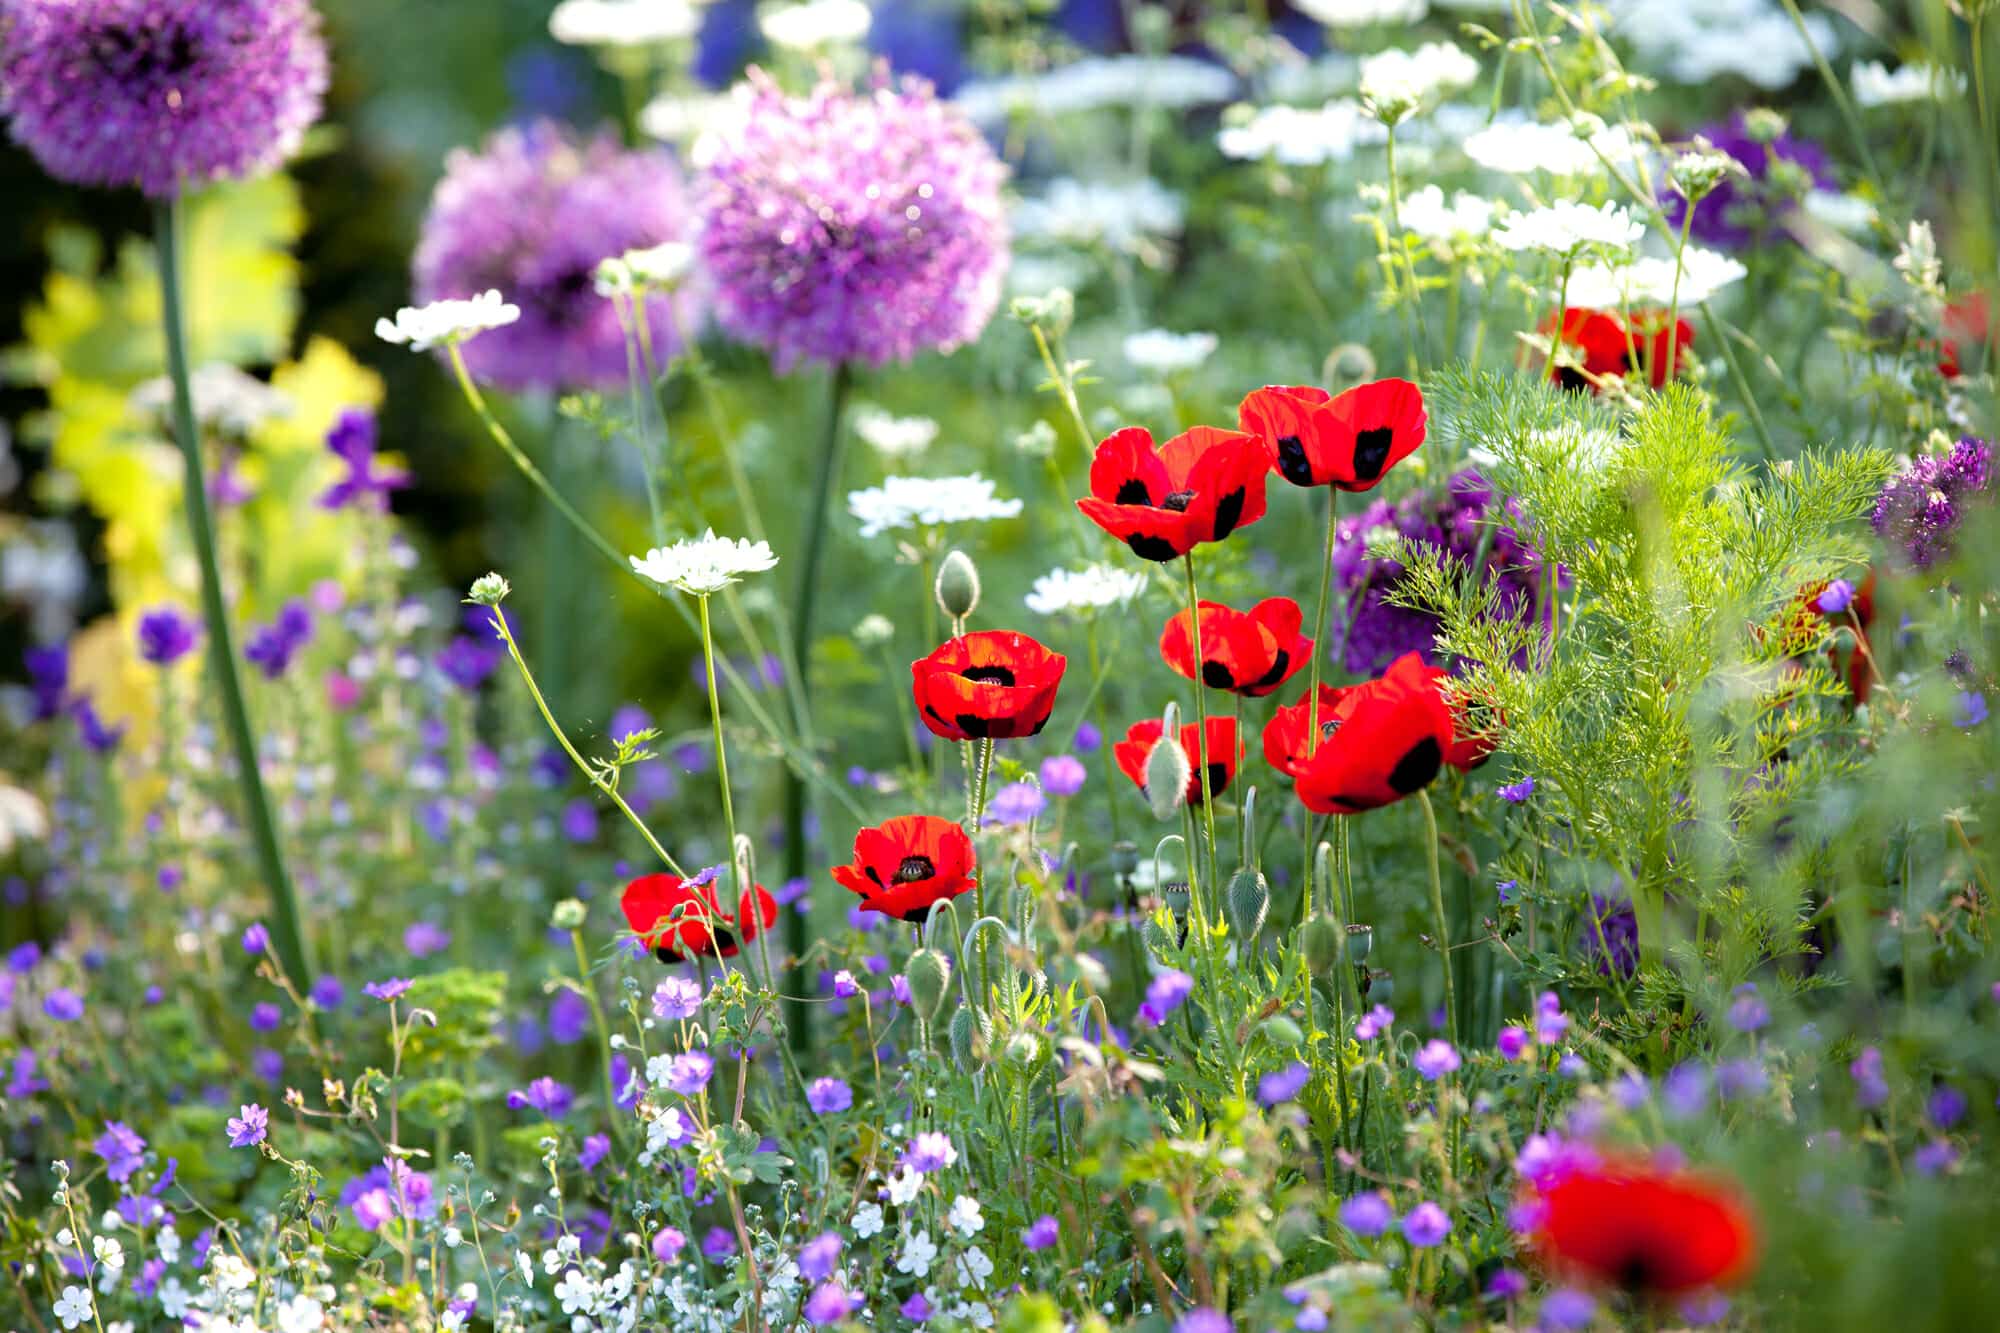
[[286, 935]]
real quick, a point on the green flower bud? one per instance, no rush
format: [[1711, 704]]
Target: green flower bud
[[1763, 125], [1320, 938], [1246, 901], [1346, 366], [1167, 774], [1124, 858], [929, 975], [489, 590], [568, 915], [958, 585], [968, 1047], [1381, 988], [1026, 1053], [1283, 1032]]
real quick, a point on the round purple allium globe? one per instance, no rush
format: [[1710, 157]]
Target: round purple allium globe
[[853, 226], [161, 94], [1920, 509], [532, 214]]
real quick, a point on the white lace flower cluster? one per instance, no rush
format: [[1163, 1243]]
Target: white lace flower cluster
[[1652, 280], [1119, 215], [442, 323], [927, 502], [1169, 81], [1566, 228], [1166, 353], [225, 399], [703, 565], [623, 22], [1092, 588], [1302, 136], [893, 436]]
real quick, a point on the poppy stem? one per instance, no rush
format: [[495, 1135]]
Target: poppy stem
[[1312, 677], [1439, 922], [979, 883], [286, 935], [1201, 720]]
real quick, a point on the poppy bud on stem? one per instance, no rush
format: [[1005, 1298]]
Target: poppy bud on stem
[[957, 586]]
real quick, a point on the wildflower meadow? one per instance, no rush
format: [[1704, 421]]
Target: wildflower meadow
[[1035, 665]]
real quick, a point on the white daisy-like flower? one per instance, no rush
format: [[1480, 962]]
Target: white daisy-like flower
[[918, 1253], [927, 502], [663, 266], [965, 1217], [1564, 228], [1425, 213], [1361, 13], [225, 399], [301, 1314], [1650, 280], [421, 328], [1122, 215], [904, 1185], [109, 1251], [867, 1220], [577, 1293], [1875, 85], [1395, 82], [1168, 81], [703, 565], [622, 22], [974, 1267], [816, 23], [1302, 137], [1090, 589], [1523, 147], [73, 1306], [1166, 352], [891, 435]]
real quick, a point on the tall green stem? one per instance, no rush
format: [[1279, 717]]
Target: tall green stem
[[722, 766], [1312, 679], [286, 934], [1439, 922], [1201, 723]]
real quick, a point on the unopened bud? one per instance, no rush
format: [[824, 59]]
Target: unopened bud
[[568, 915], [1025, 1052], [1381, 988], [929, 975], [1167, 774], [1320, 938], [1283, 1032], [958, 585], [1346, 366], [1246, 901], [489, 590], [1360, 939], [968, 1047]]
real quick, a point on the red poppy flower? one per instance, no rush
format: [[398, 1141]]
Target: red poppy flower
[[990, 683], [1250, 653], [1201, 486], [1968, 323], [1379, 741], [1629, 1224], [1602, 341], [681, 917], [907, 864], [1349, 442], [1224, 750]]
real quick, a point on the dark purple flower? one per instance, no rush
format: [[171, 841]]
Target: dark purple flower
[[1506, 1284], [1281, 1085], [466, 662], [1835, 597], [256, 938], [271, 648], [1426, 1225], [24, 1081], [1946, 1107], [165, 95], [1516, 792], [717, 1245], [1740, 210], [122, 1150], [166, 634], [364, 485], [1611, 936], [265, 1016], [24, 957], [1935, 1157], [829, 1304], [917, 1309], [1921, 508], [569, 1017], [328, 992], [248, 1128], [91, 729], [1968, 710], [48, 679], [579, 820], [546, 1095], [1512, 1042]]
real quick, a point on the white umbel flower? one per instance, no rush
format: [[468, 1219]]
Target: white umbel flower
[[1090, 589], [927, 502], [622, 22], [1361, 13], [1875, 85], [1166, 352], [893, 436], [1123, 215], [225, 399], [663, 267], [1396, 82], [1425, 213], [1565, 228], [816, 23], [1096, 83], [1521, 148], [1302, 137], [1650, 281], [440, 323], [703, 565]]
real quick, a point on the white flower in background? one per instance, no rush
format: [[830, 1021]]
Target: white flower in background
[[1165, 352], [1361, 13], [1565, 228], [1038, 275], [1170, 81], [577, 1293], [891, 435], [1520, 148], [1310, 80], [867, 1220], [1650, 281], [1694, 41], [443, 322], [1406, 79], [169, 1244], [904, 1185], [1090, 589], [174, 1298], [109, 1251], [622, 22], [1843, 212], [918, 1252], [230, 1273], [301, 1314], [816, 23], [974, 1268], [1874, 85], [23, 818], [904, 502], [1426, 214], [1301, 137], [678, 118], [225, 399], [703, 565], [73, 1306], [1123, 215], [965, 1217], [1588, 449], [663, 266]]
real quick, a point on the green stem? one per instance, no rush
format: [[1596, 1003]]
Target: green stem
[[1312, 679], [603, 1031], [722, 762], [1439, 922], [287, 936], [1201, 720], [985, 776], [1413, 315]]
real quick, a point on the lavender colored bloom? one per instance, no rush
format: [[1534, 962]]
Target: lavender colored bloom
[[579, 821], [844, 985], [1572, 1066], [1374, 1023], [1016, 803], [1426, 1225], [271, 648], [1684, 1090], [1946, 1107], [677, 998], [930, 1151], [24, 1081], [122, 1150], [265, 1016], [1063, 775], [717, 1244], [899, 988], [829, 1304], [164, 95], [1630, 1090], [1367, 1214], [424, 938], [1870, 1088], [532, 213], [1311, 1319], [1512, 1043], [1935, 1157], [1550, 1021], [916, 1309], [267, 1064], [1281, 1085], [1040, 1234], [256, 938], [546, 1095], [23, 958], [668, 1242], [689, 1073], [845, 227], [166, 634], [819, 1256], [1741, 210], [1164, 994], [1567, 1309], [1921, 508], [467, 662], [391, 989], [1611, 936], [63, 1005], [1436, 1059], [364, 485], [372, 1209], [1201, 1319], [1516, 792], [1835, 597], [327, 991], [828, 1095], [569, 1017], [1505, 890], [1748, 1012], [1968, 710], [248, 1128], [1506, 1284], [91, 729]]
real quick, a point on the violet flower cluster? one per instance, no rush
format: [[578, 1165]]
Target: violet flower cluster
[[1920, 509], [1734, 214]]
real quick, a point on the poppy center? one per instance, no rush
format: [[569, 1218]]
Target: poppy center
[[914, 869], [1178, 501], [1133, 492], [989, 675]]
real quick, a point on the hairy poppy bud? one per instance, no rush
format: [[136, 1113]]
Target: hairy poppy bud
[[1320, 938], [1348, 365], [1359, 940], [1026, 1052], [1246, 901], [1167, 777], [1283, 1032], [968, 1047], [929, 975], [958, 585], [1155, 937]]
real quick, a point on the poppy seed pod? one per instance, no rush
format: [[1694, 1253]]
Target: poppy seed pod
[[1167, 777], [958, 585], [1246, 900], [1348, 366], [929, 975], [1124, 858], [1321, 939], [1381, 988], [1360, 939]]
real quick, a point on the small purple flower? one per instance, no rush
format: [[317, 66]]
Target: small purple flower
[[1016, 803], [569, 1017], [579, 821], [1550, 1021], [1572, 1066], [328, 992], [22, 959], [271, 648], [1704, 1308], [1567, 1309], [717, 1245], [256, 938], [1748, 1012], [364, 484], [594, 1150], [827, 1095], [1836, 597], [1684, 1090], [917, 1309], [373, 1209], [247, 1129], [1063, 775], [689, 1073], [1516, 792], [546, 1095], [1968, 710], [1946, 1107], [386, 991], [820, 1256], [1921, 509], [1736, 1079], [1935, 1158], [844, 985], [97, 737], [63, 1005], [1870, 1088], [166, 634], [899, 988], [466, 662], [1374, 1023], [1164, 994], [1512, 1043], [1087, 738], [1201, 1319], [930, 1151], [1539, 1157], [1436, 1059], [1282, 1085], [122, 1150], [1506, 1284], [1426, 1225], [1504, 890], [265, 1016], [1748, 208], [1042, 1233], [677, 998], [267, 1064], [24, 1082], [1367, 1214], [424, 938], [829, 1304], [668, 1242]]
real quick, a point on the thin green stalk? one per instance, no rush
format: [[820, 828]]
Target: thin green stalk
[[1414, 332], [1312, 677], [603, 1031], [722, 761], [980, 782], [1439, 922], [1838, 89], [287, 934], [1201, 719]]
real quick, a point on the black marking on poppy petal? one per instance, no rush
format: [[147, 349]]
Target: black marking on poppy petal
[[916, 916], [1417, 767], [940, 718], [1178, 501], [666, 955], [1293, 464], [1371, 451], [1348, 803], [872, 874], [1275, 674], [1218, 778], [1569, 377], [913, 869], [1229, 512], [989, 675], [975, 727], [1216, 676], [1152, 548], [1132, 491]]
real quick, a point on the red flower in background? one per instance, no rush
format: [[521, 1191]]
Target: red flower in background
[[1201, 486], [1609, 349], [679, 918], [990, 683], [1833, 603], [1631, 1225], [1250, 653], [1224, 750], [905, 865], [1968, 325], [1379, 741], [1349, 442]]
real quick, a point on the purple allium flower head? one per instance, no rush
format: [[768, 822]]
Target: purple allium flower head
[[122, 1150], [1042, 1233], [1016, 803], [1164, 994], [1921, 508], [532, 213], [1836, 597], [424, 938], [853, 226], [1567, 1309], [1281, 1085], [271, 648], [689, 1073], [1367, 1214], [364, 485], [248, 1127], [668, 1242], [829, 1304], [1426, 1225], [1437, 1058], [819, 1256], [1063, 775], [1512, 1043], [160, 94], [676, 998], [1739, 208], [166, 634], [1516, 792], [63, 1005], [1748, 1012], [930, 1151], [265, 1016], [1374, 1023], [828, 1095], [388, 990], [256, 938], [1201, 1319]]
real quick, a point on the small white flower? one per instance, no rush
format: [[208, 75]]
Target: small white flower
[[73, 1306], [816, 23], [1165, 352], [703, 565], [120, 1326], [230, 1273], [965, 1217], [1089, 589], [974, 1268], [65, 1238], [1396, 82], [169, 1243], [902, 502], [577, 1293], [301, 1314], [1565, 228], [1361, 13], [108, 1251], [1650, 281], [1843, 212], [904, 1186], [526, 1266], [174, 1298], [667, 1128], [918, 1252], [224, 398], [662, 266], [867, 1220], [446, 322], [622, 22], [891, 435], [452, 1320], [1875, 86], [1425, 213]]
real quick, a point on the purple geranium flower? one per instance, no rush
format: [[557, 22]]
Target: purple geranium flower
[[63, 1005], [1366, 1214], [1042, 1233], [1426, 1225], [819, 1256], [166, 634], [828, 1095], [689, 1073], [248, 1128], [1435, 1059], [391, 989], [1063, 775], [364, 485], [1165, 993], [551, 1098], [1282, 1085], [123, 1151]]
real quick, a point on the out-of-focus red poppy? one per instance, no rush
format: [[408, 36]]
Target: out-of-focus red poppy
[[1628, 1224], [679, 918]]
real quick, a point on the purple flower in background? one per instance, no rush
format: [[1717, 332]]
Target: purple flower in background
[[467, 662], [1512, 1043], [689, 1073], [828, 1095], [1567, 1309], [122, 1150], [1550, 1021], [1740, 1078], [1836, 597], [1374, 1023], [1742, 210], [546, 1095], [91, 729], [48, 680], [569, 1017], [930, 1151], [24, 1081], [1685, 1089], [1016, 803], [1063, 775], [1946, 1107], [1281, 1085], [372, 1209], [1516, 792], [1041, 1234], [247, 1129], [164, 95], [829, 1304], [391, 989], [718, 1244], [267, 1064], [916, 1309], [364, 485], [1506, 1284], [166, 634], [1436, 1059], [63, 1004], [1366, 1214], [819, 1256], [1968, 710], [1611, 936], [256, 938], [23, 958], [532, 213], [668, 1242], [1870, 1088], [1201, 1319], [844, 985], [1935, 1157], [1426, 1225], [1748, 1012], [1920, 509], [424, 938], [1164, 994], [271, 648], [677, 998], [579, 820], [853, 227], [899, 988], [265, 1016]]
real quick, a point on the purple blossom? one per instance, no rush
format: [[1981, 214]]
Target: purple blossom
[[1748, 1012], [1946, 1107], [1282, 1085], [97, 737], [546, 1095], [256, 938], [327, 991], [1870, 1088], [569, 1017], [63, 1005], [1506, 1284], [1743, 209], [844, 985], [594, 1150], [271, 648], [123, 1151], [930, 1151], [1426, 1225], [165, 95], [668, 1242], [1063, 775], [1611, 936], [1968, 710], [1684, 1090], [1201, 1319], [248, 1127], [1436, 1059], [899, 988], [166, 634], [1367, 1214], [48, 680], [424, 938], [1374, 1023], [1550, 1021], [1042, 1233], [717, 1244], [829, 1304], [917, 1309], [1735, 1079], [689, 1073], [24, 1081], [1921, 508], [267, 1064], [844, 227], [1016, 803], [1516, 792], [265, 1016], [24, 957], [827, 1095], [677, 998], [467, 662], [1935, 1158], [1165, 993], [820, 1256], [1512, 1043], [1835, 597], [386, 991], [1567, 1309], [363, 485]]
